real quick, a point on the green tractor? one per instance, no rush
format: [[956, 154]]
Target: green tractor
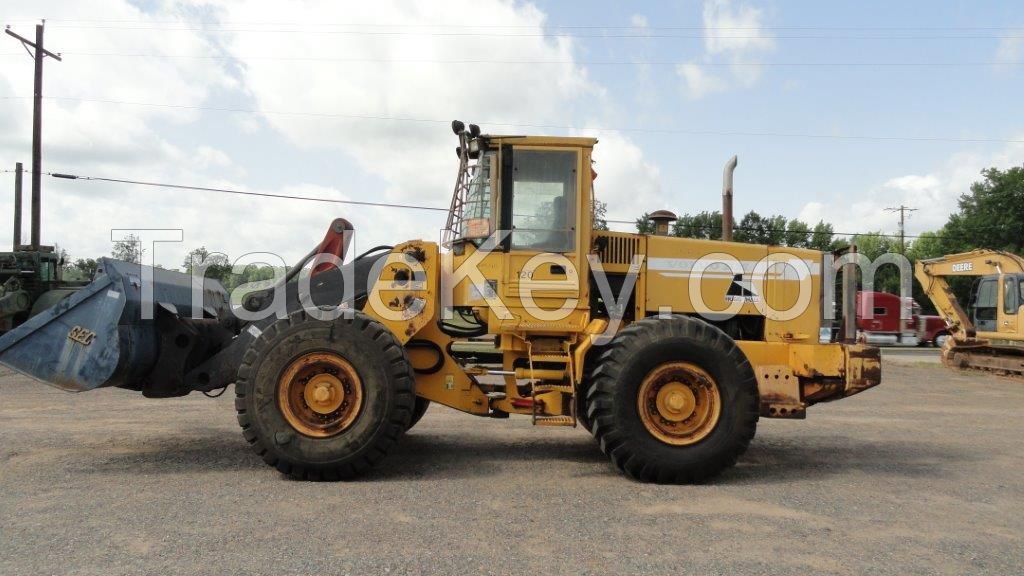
[[31, 281], [31, 276]]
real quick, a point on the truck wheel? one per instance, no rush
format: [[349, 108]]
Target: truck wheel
[[940, 339], [324, 400], [673, 400], [418, 411]]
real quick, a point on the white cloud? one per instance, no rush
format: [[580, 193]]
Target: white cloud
[[627, 182], [638, 21], [108, 139], [404, 79], [734, 35], [1010, 49], [395, 161], [934, 195], [698, 82], [734, 31]]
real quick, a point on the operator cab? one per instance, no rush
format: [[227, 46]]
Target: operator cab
[[527, 186], [524, 201], [996, 302]]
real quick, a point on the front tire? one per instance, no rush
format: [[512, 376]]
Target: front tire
[[324, 399], [673, 401], [418, 411]]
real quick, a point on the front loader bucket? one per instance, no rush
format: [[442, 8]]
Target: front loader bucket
[[98, 337]]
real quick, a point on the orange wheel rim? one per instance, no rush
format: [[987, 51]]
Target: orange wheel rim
[[320, 394], [679, 403]]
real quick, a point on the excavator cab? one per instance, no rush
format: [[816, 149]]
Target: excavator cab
[[996, 304]]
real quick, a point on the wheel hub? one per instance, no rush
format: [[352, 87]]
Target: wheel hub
[[675, 402], [679, 403], [320, 394], [324, 393]]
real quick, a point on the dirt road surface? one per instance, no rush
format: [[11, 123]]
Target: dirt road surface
[[923, 475]]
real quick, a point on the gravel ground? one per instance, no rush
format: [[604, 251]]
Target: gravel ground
[[923, 475]]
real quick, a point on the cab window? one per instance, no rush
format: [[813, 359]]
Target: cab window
[[544, 200], [1010, 290], [476, 213]]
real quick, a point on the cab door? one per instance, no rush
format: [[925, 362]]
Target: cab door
[[540, 207], [1008, 319], [985, 305]]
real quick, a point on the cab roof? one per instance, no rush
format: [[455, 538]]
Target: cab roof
[[568, 141]]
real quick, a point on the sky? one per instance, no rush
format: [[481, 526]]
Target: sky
[[836, 110]]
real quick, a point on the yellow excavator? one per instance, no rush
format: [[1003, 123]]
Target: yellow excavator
[[989, 335]]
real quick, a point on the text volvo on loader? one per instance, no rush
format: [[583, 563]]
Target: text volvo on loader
[[666, 349]]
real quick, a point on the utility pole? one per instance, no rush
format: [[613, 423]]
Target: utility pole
[[904, 306], [17, 205], [38, 52], [903, 223]]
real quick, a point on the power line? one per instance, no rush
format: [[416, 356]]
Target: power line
[[642, 34], [241, 192], [530, 26], [629, 129], [487, 61], [421, 207]]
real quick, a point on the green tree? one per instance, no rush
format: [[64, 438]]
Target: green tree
[[600, 215], [83, 268], [644, 224], [129, 249], [873, 245], [990, 216], [798, 234], [218, 265], [705, 225], [822, 237], [752, 229], [775, 230], [927, 245]]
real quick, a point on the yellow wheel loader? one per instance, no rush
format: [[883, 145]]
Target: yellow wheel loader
[[667, 349], [989, 335]]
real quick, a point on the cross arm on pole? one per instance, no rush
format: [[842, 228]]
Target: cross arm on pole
[[26, 42]]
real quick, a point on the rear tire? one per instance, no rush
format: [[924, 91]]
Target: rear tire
[[940, 339], [324, 400], [700, 403]]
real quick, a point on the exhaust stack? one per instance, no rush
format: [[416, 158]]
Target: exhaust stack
[[730, 167]]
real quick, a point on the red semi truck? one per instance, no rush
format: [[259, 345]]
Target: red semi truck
[[878, 322]]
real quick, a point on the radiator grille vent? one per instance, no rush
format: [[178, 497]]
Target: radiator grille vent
[[616, 249]]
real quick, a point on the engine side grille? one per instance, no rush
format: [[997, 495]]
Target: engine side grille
[[617, 248]]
